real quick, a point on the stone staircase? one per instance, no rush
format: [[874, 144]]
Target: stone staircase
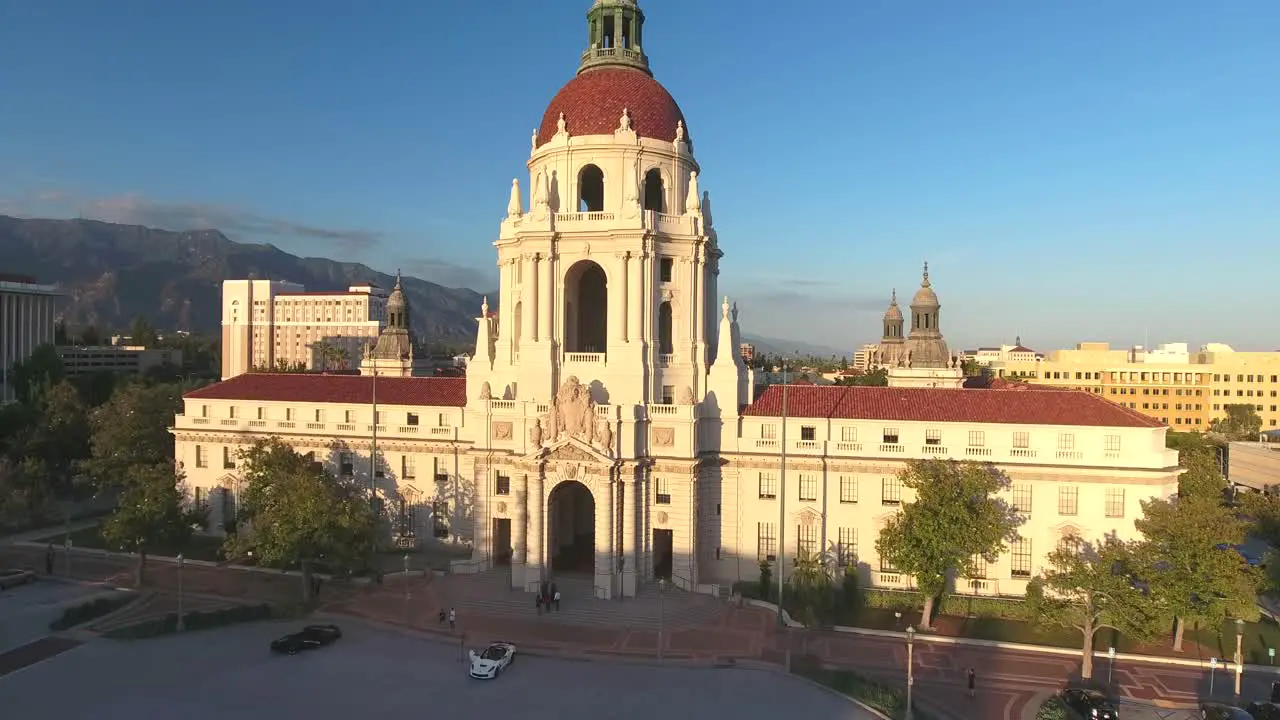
[[488, 593]]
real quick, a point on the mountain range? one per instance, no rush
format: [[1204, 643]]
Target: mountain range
[[114, 273]]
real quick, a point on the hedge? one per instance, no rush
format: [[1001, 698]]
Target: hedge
[[1052, 709], [888, 699], [194, 620], [955, 605], [92, 610]]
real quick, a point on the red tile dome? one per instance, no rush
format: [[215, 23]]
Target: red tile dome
[[593, 102]]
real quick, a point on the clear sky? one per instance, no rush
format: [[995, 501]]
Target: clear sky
[[1072, 169]]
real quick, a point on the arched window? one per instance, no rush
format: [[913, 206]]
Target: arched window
[[665, 344], [655, 194], [590, 189], [586, 308], [518, 324]]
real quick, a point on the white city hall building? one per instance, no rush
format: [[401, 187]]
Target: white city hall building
[[607, 423]]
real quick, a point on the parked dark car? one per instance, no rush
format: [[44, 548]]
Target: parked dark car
[[1264, 710], [308, 638], [1090, 704], [1216, 711], [14, 576]]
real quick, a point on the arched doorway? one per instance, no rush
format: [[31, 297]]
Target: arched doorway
[[590, 189], [571, 528], [586, 308], [666, 343], [654, 192]]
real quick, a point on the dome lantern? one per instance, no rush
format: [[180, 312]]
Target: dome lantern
[[615, 29]]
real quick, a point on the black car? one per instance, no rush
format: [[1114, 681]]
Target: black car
[[309, 638], [1264, 710], [1090, 704], [1216, 711]]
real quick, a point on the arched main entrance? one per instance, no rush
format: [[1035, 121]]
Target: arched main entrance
[[571, 528], [586, 308]]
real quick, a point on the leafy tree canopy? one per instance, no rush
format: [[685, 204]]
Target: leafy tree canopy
[[132, 430], [42, 370], [151, 514], [1241, 423]]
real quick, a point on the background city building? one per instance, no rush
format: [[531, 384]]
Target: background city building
[[267, 323], [127, 359], [27, 318]]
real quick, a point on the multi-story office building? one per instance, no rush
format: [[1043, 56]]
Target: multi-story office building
[[269, 322], [127, 359], [1184, 389], [27, 318]]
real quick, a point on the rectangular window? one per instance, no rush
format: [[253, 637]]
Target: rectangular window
[[891, 491], [668, 394], [768, 432], [1066, 441], [932, 437], [440, 518], [1020, 558], [319, 416], [662, 493], [233, 412], [262, 413], [768, 486], [228, 459], [1022, 439], [766, 542], [346, 466], [199, 497], [808, 487], [202, 459], [890, 436], [979, 568], [847, 546], [887, 567], [808, 433], [1068, 500], [502, 485], [1115, 502], [379, 465], [977, 438], [1113, 443], [411, 419], [380, 417], [807, 541], [849, 434], [848, 488], [204, 411], [666, 267], [346, 416], [407, 470], [1022, 498]]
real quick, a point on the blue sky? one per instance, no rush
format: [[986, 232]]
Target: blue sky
[[1072, 170]]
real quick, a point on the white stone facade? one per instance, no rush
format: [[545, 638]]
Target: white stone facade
[[27, 319]]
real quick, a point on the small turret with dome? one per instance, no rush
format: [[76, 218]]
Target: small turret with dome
[[392, 354], [925, 344]]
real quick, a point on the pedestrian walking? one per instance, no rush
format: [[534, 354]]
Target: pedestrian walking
[[537, 602], [556, 599], [973, 680], [442, 617], [453, 619], [48, 560]]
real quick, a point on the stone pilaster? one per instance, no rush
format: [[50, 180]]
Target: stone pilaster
[[536, 507]]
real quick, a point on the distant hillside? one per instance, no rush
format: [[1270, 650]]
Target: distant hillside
[[114, 273]]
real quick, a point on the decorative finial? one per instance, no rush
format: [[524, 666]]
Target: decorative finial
[[724, 308], [925, 282], [1017, 340], [693, 202], [515, 207], [560, 124], [533, 140], [893, 300], [397, 287], [624, 123], [679, 132], [484, 306], [734, 312]]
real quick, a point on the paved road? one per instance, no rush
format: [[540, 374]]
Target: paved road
[[26, 611], [379, 673]]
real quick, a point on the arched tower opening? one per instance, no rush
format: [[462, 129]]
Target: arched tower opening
[[586, 308], [666, 345], [655, 191], [590, 189]]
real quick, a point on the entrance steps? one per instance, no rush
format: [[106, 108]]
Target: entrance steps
[[489, 593]]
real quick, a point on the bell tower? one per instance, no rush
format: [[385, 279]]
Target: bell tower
[[607, 256]]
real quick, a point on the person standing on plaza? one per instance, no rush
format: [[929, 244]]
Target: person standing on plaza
[[556, 600], [537, 602], [48, 560], [973, 680], [453, 619]]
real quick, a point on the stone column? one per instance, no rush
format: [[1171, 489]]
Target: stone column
[[627, 517], [520, 532], [535, 304], [528, 305], [606, 507], [624, 299], [536, 506], [635, 305], [547, 295]]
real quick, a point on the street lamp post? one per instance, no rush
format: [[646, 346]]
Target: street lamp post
[[911, 676], [1239, 654], [182, 625], [406, 588]]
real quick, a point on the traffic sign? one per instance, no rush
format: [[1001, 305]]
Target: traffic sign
[[1111, 653], [1213, 663]]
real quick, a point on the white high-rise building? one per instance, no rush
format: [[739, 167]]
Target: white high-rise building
[[27, 318]]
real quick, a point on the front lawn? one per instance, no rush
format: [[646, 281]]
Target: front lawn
[[200, 547]]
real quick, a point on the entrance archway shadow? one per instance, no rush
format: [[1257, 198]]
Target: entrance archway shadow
[[571, 528]]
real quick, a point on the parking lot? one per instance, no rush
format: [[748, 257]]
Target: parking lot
[[372, 672], [27, 610]]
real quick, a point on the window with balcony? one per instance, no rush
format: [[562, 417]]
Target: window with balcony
[[1112, 443], [886, 566], [808, 487], [768, 432], [979, 568], [890, 491], [662, 493], [847, 546], [848, 488], [807, 541], [768, 486], [319, 416], [380, 417], [262, 413], [849, 434], [346, 417], [289, 415], [668, 394], [1021, 498], [502, 485], [1066, 442], [808, 433], [204, 411], [411, 419], [932, 437], [890, 436], [1020, 558], [1115, 502], [233, 412], [977, 438], [1068, 500], [766, 542], [1022, 439]]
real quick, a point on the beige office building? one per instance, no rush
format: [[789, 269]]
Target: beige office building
[[27, 317], [269, 322], [1184, 389], [127, 359]]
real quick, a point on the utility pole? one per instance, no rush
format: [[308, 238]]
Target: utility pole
[[782, 496]]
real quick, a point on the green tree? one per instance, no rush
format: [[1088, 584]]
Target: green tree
[[90, 336], [876, 378], [1201, 476], [1189, 563], [142, 333], [1241, 423], [293, 510], [60, 438], [131, 430], [1089, 587], [971, 367], [26, 493], [151, 515], [42, 370], [1262, 511], [955, 518], [330, 356]]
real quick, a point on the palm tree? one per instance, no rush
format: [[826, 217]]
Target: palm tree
[[331, 356]]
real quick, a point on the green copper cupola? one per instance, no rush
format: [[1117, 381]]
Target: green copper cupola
[[615, 35]]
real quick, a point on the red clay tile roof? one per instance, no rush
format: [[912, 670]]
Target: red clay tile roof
[[1068, 407], [340, 389], [593, 102]]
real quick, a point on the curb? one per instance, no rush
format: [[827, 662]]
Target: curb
[[830, 691], [1031, 710]]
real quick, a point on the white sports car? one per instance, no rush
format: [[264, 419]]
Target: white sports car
[[489, 664]]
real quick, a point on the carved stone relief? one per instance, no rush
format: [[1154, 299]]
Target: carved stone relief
[[502, 430], [662, 518], [664, 436], [572, 412]]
